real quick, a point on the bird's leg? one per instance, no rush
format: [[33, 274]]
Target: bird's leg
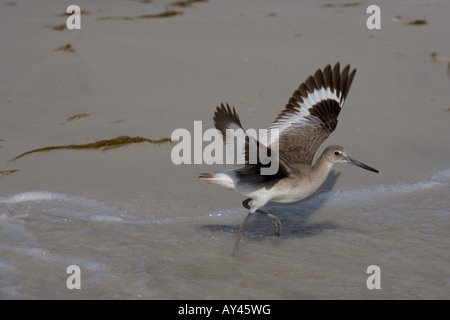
[[275, 220], [241, 230]]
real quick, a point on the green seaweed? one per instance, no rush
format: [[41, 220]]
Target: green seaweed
[[351, 4], [4, 173], [64, 14], [67, 48], [78, 116], [59, 27], [118, 121], [186, 3], [418, 22], [164, 14], [99, 145], [344, 5]]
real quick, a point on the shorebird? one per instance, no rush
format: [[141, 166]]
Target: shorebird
[[307, 120]]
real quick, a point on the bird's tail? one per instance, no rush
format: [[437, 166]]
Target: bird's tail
[[226, 179]]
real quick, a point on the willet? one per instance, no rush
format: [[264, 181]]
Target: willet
[[306, 121]]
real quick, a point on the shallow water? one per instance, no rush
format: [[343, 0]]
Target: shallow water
[[148, 229], [327, 243]]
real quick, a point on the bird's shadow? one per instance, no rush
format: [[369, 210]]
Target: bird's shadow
[[294, 221]]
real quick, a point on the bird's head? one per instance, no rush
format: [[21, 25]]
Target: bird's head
[[337, 154]]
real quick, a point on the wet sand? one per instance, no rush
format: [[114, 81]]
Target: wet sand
[[145, 77]]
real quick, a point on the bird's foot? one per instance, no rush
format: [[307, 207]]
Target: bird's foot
[[276, 222]]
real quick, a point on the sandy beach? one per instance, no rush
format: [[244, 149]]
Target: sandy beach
[[144, 69]]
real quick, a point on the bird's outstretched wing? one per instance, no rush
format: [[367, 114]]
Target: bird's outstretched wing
[[227, 121], [311, 114]]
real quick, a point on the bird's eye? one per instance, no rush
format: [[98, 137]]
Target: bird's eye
[[337, 153]]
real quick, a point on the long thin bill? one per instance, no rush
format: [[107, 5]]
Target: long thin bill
[[361, 165]]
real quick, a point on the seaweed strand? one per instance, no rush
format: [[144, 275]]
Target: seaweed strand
[[101, 145]]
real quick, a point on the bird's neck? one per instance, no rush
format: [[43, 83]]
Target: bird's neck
[[321, 168]]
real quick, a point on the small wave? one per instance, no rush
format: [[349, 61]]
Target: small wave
[[354, 197], [51, 206], [55, 207]]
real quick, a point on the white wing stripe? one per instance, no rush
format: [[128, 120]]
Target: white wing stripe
[[302, 110]]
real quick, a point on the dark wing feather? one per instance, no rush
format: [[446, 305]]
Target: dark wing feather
[[226, 118], [311, 114]]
